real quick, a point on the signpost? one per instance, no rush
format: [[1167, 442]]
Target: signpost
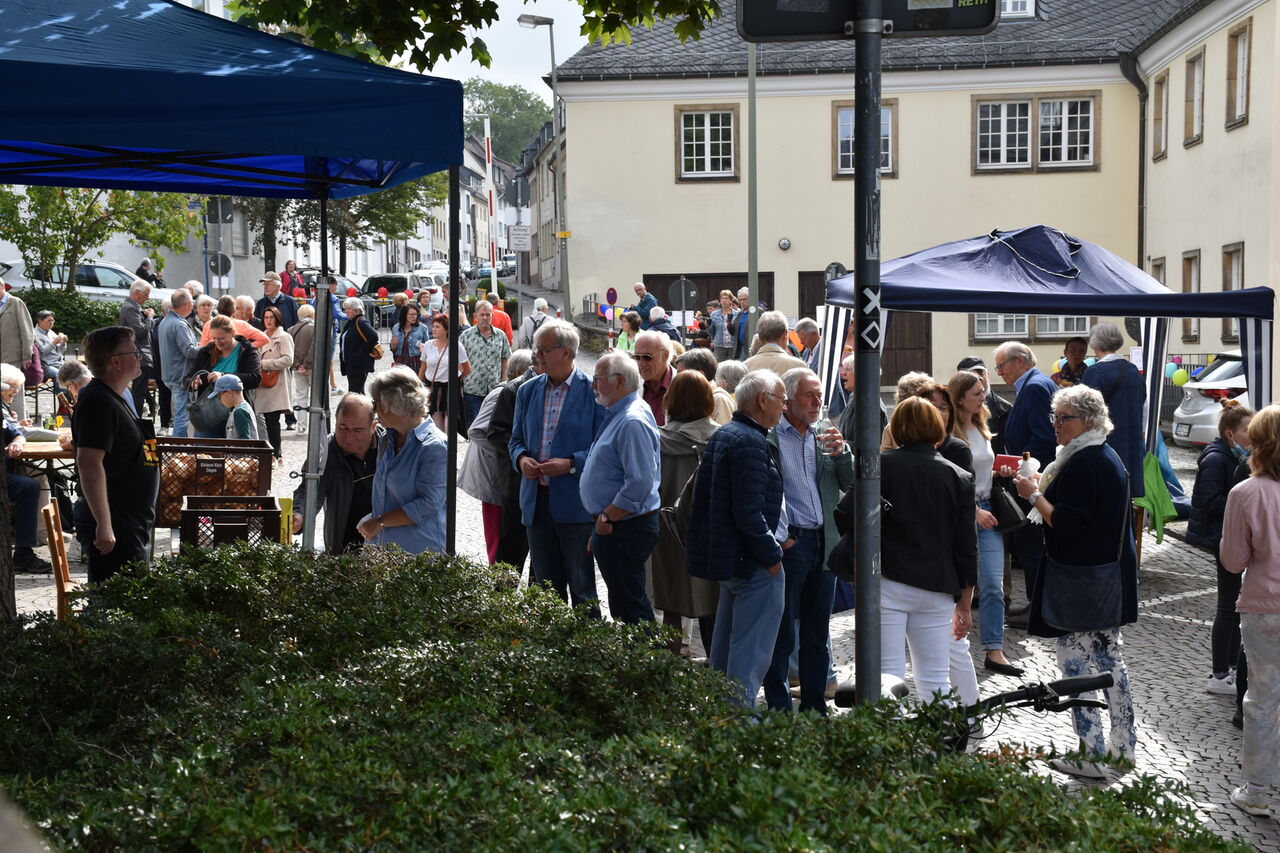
[[520, 238], [867, 22]]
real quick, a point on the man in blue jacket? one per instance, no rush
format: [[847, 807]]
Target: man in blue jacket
[[1027, 429], [556, 421], [733, 533], [647, 302]]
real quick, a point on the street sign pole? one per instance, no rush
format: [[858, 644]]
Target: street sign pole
[[868, 33]]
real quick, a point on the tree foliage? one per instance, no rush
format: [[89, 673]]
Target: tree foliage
[[515, 115], [427, 31], [54, 226]]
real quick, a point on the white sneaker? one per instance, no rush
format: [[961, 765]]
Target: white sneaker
[[1222, 686], [1256, 803], [1083, 769]]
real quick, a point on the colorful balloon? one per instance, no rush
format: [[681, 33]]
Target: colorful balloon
[[1181, 377], [382, 293], [1177, 359], [299, 293], [351, 291], [1169, 370], [1090, 361]]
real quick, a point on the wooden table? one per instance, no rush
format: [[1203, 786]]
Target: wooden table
[[50, 456]]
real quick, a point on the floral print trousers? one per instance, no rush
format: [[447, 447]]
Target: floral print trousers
[[1092, 653], [1260, 633]]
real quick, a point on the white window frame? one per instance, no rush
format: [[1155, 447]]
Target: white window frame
[[1007, 326], [1191, 284], [1193, 101], [1160, 117], [1062, 125], [699, 118], [1002, 128], [842, 119], [1079, 325], [1232, 279], [1239, 60], [1012, 9], [1076, 119]]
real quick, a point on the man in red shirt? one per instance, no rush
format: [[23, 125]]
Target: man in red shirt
[[501, 319]]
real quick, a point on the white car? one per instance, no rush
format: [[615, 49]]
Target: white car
[[1195, 422], [99, 280]]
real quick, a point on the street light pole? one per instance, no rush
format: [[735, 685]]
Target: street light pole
[[530, 22]]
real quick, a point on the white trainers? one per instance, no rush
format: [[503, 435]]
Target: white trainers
[[1083, 769], [1256, 803], [1222, 686]]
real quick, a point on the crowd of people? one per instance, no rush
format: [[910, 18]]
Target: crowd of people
[[709, 485]]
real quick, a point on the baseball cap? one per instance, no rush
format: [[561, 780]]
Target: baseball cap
[[539, 304], [972, 362], [228, 382], [271, 276]]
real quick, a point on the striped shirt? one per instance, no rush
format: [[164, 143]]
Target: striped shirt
[[800, 476], [552, 403]]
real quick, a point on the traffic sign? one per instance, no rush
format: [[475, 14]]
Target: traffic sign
[[521, 239], [818, 20], [611, 296], [219, 264]]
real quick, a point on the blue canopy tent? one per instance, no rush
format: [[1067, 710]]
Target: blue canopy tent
[[152, 95], [1040, 270]]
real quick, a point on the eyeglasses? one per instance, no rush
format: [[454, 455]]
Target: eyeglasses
[[783, 397], [1000, 364], [132, 352], [605, 378], [644, 356], [1057, 419], [542, 351]]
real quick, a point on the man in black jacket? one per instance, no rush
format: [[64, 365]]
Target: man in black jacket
[[345, 488]]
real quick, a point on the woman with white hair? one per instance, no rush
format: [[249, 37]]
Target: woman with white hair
[[356, 346], [533, 322], [408, 486], [1087, 585], [1125, 394]]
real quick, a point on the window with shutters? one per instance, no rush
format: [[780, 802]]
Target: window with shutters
[[1193, 101], [1239, 42]]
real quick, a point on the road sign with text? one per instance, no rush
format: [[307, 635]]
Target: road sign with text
[[817, 20]]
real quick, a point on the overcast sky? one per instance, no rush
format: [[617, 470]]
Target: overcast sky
[[522, 56]]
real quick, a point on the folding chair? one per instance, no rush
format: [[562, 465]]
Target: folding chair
[[58, 556]]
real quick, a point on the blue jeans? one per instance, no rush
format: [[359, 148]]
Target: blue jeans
[[181, 396], [471, 405], [558, 556], [621, 556], [24, 497], [990, 585], [746, 628], [810, 592]]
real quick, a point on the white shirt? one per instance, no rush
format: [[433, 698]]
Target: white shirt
[[435, 361], [983, 460]]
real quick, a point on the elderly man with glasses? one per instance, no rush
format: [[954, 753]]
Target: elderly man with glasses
[[653, 356], [555, 423], [116, 457], [620, 487]]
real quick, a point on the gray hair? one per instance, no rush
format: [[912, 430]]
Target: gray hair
[[139, 286], [1016, 349], [806, 325], [306, 312], [399, 391], [700, 359], [566, 335], [771, 327], [243, 301], [179, 298], [73, 372], [791, 379], [12, 376], [729, 374], [1105, 337], [519, 361], [205, 299], [353, 303], [656, 313], [658, 337], [492, 297], [849, 361], [194, 287], [909, 384], [619, 364], [754, 384], [1088, 404]]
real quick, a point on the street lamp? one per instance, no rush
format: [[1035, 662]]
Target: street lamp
[[532, 22]]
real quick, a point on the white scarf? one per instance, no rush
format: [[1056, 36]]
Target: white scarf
[[1088, 438]]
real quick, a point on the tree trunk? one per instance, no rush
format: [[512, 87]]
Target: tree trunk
[[342, 253], [270, 223], [8, 599]]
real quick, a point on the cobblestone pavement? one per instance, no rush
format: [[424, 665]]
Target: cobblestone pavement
[[1184, 733]]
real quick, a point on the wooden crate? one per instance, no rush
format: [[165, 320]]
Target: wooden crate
[[209, 521], [209, 466]]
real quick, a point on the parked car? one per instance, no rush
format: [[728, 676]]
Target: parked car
[[310, 274], [1195, 422], [508, 265], [103, 281]]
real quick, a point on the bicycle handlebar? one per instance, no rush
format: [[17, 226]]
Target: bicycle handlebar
[[1082, 684]]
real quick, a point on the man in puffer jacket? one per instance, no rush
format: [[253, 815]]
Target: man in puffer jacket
[[734, 537]]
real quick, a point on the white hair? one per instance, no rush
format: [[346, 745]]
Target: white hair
[[791, 379], [620, 364], [805, 326], [848, 361], [353, 303], [729, 373], [243, 301], [1106, 337], [12, 376], [139, 286], [1088, 404], [1016, 349], [754, 384], [566, 335], [196, 288], [656, 313], [205, 299], [659, 338], [399, 391]]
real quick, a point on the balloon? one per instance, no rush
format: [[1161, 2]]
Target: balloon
[[1177, 359], [408, 293], [1169, 370], [1181, 377], [1090, 361], [351, 291], [298, 293], [382, 293], [1210, 359]]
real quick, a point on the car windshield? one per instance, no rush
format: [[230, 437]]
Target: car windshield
[[393, 283], [1221, 370]]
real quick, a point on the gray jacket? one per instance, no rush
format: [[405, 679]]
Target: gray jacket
[[178, 346], [131, 316], [333, 494], [304, 336]]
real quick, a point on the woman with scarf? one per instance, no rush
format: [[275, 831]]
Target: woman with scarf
[[1222, 464], [1087, 586]]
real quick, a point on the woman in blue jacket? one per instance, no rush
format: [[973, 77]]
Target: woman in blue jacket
[[1219, 469]]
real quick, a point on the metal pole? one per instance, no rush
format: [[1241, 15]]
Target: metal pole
[[493, 207], [561, 218], [455, 388], [322, 357], [753, 245], [869, 27]]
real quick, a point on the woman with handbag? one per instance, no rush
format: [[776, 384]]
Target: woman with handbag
[[225, 353], [1087, 586], [968, 397], [360, 347], [275, 394], [434, 369]]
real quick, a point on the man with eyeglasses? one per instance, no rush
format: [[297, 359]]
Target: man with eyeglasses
[[734, 535], [116, 457], [345, 489], [1027, 429], [556, 420], [653, 356], [620, 487]]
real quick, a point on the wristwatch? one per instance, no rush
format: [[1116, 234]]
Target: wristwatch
[[1035, 496], [573, 469], [604, 516], [382, 525]]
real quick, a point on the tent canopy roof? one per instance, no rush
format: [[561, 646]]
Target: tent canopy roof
[[149, 94], [1040, 270]]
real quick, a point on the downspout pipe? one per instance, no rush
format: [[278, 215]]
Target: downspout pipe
[[1129, 68]]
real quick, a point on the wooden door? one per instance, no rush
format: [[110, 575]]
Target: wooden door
[[708, 286], [813, 292], [907, 347]]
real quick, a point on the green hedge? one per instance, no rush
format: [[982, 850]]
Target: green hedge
[[75, 314], [257, 699]]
